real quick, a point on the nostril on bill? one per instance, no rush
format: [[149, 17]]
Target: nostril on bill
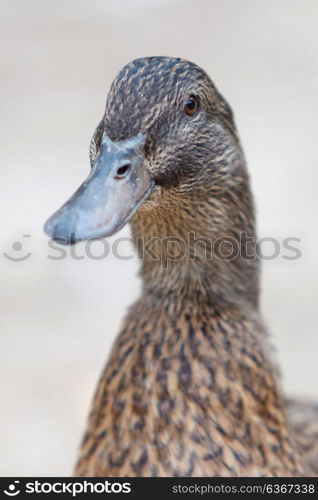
[[123, 171]]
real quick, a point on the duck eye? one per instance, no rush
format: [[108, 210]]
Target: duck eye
[[191, 105]]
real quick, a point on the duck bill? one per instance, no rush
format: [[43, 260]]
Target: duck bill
[[117, 185]]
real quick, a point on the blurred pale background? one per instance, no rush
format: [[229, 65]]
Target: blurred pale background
[[59, 318]]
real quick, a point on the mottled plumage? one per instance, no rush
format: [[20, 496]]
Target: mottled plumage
[[190, 388]]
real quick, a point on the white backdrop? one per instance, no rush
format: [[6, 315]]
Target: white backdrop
[[59, 318]]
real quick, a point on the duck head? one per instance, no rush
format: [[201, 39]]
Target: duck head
[[167, 157], [165, 128]]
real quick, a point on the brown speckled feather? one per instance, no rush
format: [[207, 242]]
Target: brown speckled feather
[[190, 388]]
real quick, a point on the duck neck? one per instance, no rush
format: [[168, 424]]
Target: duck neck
[[199, 251]]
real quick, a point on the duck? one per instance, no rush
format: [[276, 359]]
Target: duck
[[191, 386]]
